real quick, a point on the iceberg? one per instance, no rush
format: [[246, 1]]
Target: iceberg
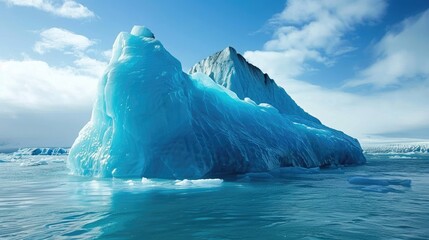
[[232, 71], [41, 151], [153, 120], [34, 163]]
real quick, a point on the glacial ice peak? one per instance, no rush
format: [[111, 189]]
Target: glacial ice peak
[[232, 71], [228, 56], [229, 51], [142, 31]]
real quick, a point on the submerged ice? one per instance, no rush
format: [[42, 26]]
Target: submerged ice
[[151, 119]]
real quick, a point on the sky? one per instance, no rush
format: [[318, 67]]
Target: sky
[[360, 66]]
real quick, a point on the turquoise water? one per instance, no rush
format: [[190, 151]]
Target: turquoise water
[[39, 200]]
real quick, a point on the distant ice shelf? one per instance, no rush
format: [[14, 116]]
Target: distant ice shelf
[[152, 120], [398, 148], [42, 151]]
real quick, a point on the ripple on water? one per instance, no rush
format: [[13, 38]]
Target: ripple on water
[[42, 202]]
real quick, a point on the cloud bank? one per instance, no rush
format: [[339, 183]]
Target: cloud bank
[[401, 56], [35, 84], [314, 32], [46, 104], [310, 31], [62, 40]]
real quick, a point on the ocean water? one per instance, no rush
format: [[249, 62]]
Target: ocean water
[[40, 200]]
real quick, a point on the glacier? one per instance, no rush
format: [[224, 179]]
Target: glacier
[[150, 119], [232, 71]]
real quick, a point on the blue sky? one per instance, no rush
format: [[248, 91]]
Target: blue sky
[[359, 66]]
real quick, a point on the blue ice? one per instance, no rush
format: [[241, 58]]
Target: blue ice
[[152, 120]]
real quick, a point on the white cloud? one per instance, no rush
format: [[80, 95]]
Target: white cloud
[[90, 66], [32, 84], [63, 40], [107, 54], [66, 8], [401, 55], [363, 115], [313, 31], [46, 105]]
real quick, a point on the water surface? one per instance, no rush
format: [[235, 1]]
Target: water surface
[[39, 200]]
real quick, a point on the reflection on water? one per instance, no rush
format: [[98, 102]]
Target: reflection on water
[[39, 201]]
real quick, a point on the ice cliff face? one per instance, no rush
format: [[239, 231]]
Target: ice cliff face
[[150, 119], [231, 70]]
